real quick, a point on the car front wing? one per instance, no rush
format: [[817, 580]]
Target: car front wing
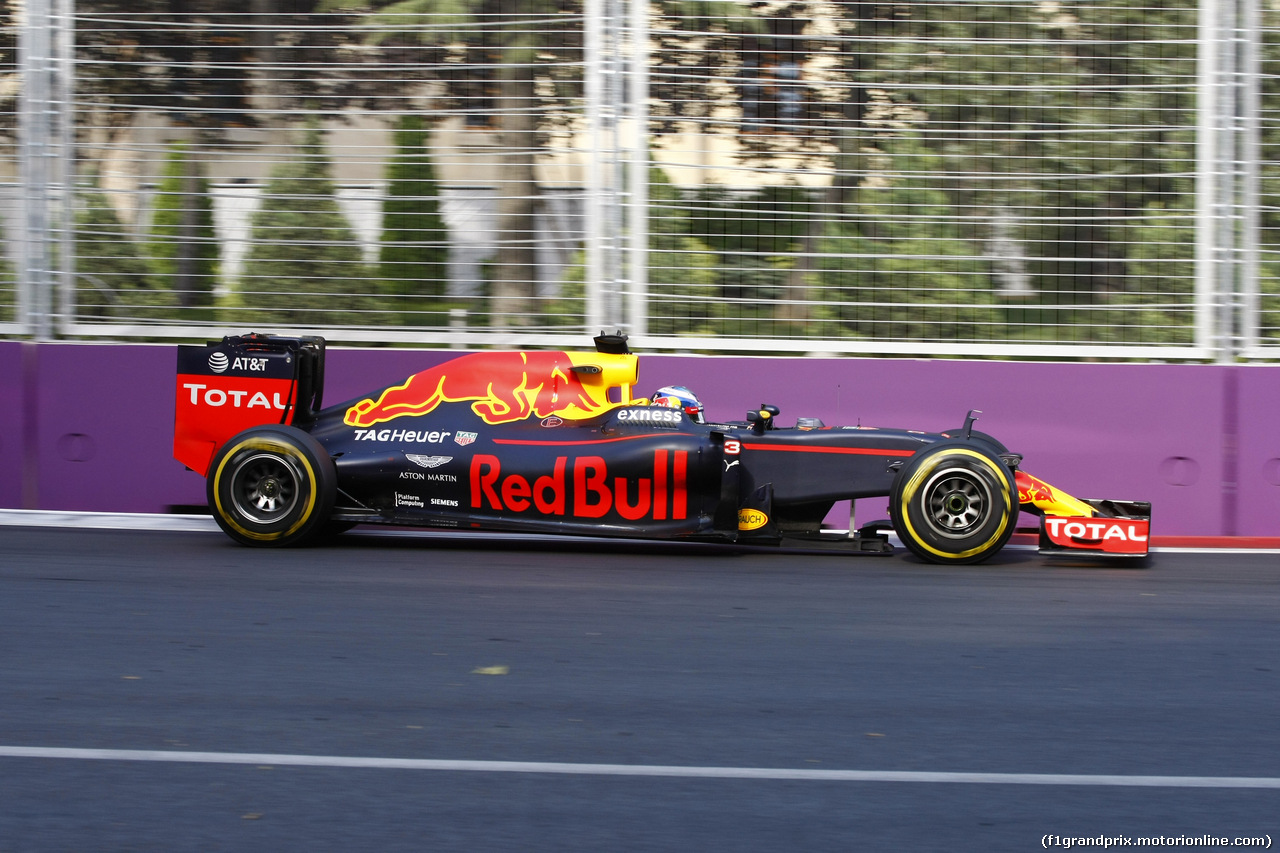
[[1107, 528]]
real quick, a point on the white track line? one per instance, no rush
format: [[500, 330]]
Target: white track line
[[106, 520], [649, 770]]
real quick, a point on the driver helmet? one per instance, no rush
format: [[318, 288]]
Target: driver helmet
[[679, 397]]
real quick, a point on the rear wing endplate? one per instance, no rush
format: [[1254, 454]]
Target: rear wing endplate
[[242, 381]]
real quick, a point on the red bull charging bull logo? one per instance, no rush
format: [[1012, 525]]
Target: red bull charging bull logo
[[1036, 492], [1032, 490], [506, 386]]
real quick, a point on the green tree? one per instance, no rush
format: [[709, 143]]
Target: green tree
[[897, 268], [112, 279], [1269, 185], [414, 254], [1158, 307], [1026, 100], [508, 49], [305, 266], [684, 296], [8, 291], [200, 58], [756, 236], [183, 246], [1269, 305], [523, 65], [1063, 123]]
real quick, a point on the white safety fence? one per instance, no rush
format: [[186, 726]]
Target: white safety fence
[[1017, 178]]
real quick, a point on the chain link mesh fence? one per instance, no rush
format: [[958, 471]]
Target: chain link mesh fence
[[915, 177]]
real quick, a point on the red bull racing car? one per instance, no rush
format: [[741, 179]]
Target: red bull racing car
[[555, 442]]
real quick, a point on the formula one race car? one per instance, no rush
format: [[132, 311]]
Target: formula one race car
[[555, 442]]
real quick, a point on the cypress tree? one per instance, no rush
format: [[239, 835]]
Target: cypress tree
[[305, 266], [112, 278], [183, 247], [413, 259], [8, 290]]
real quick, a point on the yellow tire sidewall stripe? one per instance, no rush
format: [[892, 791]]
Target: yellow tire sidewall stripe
[[913, 485], [283, 448]]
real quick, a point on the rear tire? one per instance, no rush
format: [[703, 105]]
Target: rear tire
[[954, 502], [272, 486]]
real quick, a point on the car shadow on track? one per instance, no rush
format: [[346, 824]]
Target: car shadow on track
[[414, 538]]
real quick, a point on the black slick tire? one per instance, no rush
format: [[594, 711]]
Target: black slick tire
[[272, 486], [954, 502]]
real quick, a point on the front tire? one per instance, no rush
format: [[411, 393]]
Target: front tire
[[954, 502], [271, 486]]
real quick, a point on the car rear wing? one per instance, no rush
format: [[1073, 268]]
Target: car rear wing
[[227, 386]]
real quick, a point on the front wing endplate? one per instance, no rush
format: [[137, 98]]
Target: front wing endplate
[[1117, 529]]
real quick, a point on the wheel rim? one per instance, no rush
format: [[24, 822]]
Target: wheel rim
[[264, 488], [957, 502]]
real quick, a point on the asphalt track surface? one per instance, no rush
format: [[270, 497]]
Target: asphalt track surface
[[171, 691]]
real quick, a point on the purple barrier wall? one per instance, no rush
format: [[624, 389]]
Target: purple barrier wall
[[1257, 500], [1164, 433], [104, 422], [105, 429]]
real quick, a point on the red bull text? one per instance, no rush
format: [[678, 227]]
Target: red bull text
[[582, 488]]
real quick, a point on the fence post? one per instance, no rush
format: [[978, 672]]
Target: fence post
[[1228, 151], [1210, 55], [46, 133], [35, 126], [593, 194], [638, 178], [65, 73], [1251, 154], [607, 174]]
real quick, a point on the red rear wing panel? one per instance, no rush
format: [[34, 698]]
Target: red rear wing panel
[[221, 392]]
